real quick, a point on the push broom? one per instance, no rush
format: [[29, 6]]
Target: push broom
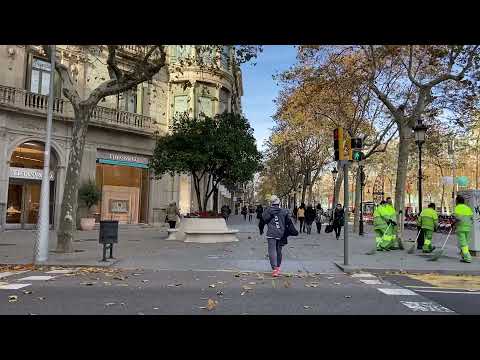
[[439, 253], [412, 249]]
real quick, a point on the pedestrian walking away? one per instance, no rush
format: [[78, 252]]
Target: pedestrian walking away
[[295, 212], [172, 214], [301, 217], [428, 223], [244, 212], [319, 218], [310, 215], [251, 211], [338, 220], [279, 226], [224, 211], [463, 227]]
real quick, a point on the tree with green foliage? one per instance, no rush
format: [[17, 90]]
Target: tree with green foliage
[[212, 150]]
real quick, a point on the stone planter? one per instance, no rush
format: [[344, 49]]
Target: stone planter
[[205, 230], [87, 224]]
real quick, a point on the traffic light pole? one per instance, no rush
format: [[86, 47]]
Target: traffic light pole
[[360, 228], [346, 244]]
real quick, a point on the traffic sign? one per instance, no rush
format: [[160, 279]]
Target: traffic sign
[[358, 155], [338, 144]]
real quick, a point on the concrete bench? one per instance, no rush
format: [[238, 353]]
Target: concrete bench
[[172, 234], [210, 236]]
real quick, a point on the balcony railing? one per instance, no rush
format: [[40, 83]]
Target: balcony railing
[[28, 101]]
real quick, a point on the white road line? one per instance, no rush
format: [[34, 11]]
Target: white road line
[[363, 275], [371, 282], [13, 286], [449, 292], [36, 278], [425, 306], [397, 291], [11, 273], [439, 288], [59, 272]]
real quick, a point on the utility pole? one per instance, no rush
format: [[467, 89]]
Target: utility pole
[[346, 247], [451, 151], [41, 241]]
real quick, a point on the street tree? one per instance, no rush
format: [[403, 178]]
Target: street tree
[[211, 150]]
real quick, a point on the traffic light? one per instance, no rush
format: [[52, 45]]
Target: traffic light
[[358, 155], [338, 144], [357, 143]]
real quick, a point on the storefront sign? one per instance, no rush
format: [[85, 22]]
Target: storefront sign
[[119, 206], [122, 157], [29, 174]]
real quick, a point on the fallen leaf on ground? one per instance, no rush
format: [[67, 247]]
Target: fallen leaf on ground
[[41, 298], [220, 293], [118, 278], [220, 282], [136, 274], [107, 283], [155, 308], [145, 281], [211, 285], [122, 285], [87, 283], [245, 287], [236, 275], [109, 304], [27, 292], [330, 277], [243, 293], [211, 304], [347, 296], [306, 307], [252, 283], [337, 283], [12, 298]]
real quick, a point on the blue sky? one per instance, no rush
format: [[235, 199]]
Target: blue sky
[[260, 89]]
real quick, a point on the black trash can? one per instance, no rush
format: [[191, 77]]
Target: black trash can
[[108, 232], [108, 236]]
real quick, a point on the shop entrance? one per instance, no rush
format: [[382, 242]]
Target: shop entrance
[[24, 187]]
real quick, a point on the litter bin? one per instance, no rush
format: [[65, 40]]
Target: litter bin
[[108, 236]]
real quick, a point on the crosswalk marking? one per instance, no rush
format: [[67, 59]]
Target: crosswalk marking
[[10, 273], [363, 275], [371, 281], [36, 278], [13, 286], [425, 306], [397, 291], [59, 272], [448, 292]]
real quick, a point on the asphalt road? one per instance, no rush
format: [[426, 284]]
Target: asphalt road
[[150, 292], [461, 301]]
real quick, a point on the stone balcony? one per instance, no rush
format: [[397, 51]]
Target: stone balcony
[[24, 101]]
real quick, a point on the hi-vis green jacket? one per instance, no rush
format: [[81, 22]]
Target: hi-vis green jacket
[[464, 216], [428, 219]]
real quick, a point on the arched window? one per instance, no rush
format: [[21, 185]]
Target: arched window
[[30, 155]]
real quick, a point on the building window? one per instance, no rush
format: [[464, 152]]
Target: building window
[[206, 54], [225, 59], [224, 98], [180, 52], [180, 105], [129, 101], [40, 78], [205, 106]]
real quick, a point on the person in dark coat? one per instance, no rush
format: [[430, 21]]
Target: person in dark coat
[[259, 211], [338, 220], [244, 212], [295, 211], [318, 218], [310, 215]]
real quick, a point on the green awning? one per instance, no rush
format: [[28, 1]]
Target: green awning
[[122, 163]]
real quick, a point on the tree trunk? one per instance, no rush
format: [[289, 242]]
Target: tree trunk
[[68, 211], [402, 168], [215, 200], [196, 183], [309, 196], [358, 186]]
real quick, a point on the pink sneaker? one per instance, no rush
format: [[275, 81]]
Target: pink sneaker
[[276, 272]]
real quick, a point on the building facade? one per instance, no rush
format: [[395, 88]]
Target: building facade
[[120, 138]]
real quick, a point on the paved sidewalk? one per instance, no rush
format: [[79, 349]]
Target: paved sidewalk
[[147, 248]]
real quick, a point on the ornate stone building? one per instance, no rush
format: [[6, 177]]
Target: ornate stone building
[[120, 137]]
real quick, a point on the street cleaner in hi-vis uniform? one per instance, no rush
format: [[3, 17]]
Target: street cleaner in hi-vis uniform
[[428, 223], [463, 226]]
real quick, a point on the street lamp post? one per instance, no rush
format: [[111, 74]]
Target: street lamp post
[[420, 130]]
